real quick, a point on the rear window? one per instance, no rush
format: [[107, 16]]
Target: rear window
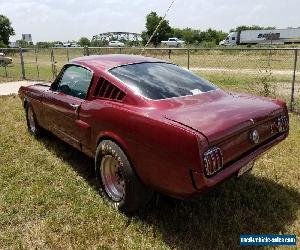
[[161, 80]]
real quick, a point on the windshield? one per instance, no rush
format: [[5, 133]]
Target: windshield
[[161, 80]]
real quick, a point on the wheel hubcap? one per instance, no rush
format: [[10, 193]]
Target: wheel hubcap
[[112, 178], [31, 121]]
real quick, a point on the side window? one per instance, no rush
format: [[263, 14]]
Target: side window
[[75, 81], [233, 38]]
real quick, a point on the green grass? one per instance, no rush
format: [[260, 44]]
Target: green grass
[[250, 60], [40, 69], [279, 85], [49, 199]]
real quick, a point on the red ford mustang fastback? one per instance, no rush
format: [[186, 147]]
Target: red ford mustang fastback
[[153, 126]]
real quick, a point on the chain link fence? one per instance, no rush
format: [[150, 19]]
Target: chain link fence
[[273, 72]]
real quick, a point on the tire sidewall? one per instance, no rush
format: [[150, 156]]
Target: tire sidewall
[[36, 133], [105, 148], [136, 194]]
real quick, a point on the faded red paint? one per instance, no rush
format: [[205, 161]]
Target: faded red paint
[[165, 140]]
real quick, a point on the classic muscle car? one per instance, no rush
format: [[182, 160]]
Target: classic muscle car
[[153, 126]]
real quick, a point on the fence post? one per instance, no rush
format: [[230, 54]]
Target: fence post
[[293, 81], [188, 62], [6, 75], [86, 51], [53, 66], [68, 57], [37, 65], [22, 64], [120, 50]]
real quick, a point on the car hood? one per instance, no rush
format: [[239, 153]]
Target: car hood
[[218, 114]]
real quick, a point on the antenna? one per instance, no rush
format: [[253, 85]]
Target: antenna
[[157, 27]]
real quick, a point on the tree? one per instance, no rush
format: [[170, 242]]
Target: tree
[[163, 32], [5, 30], [251, 27], [23, 43], [188, 35], [99, 42], [84, 41], [215, 36], [2, 45], [191, 36], [45, 44]]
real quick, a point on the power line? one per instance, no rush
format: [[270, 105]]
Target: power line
[[157, 27]]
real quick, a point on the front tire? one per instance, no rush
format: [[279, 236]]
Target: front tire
[[120, 185], [32, 124]]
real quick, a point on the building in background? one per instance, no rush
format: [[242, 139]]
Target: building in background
[[27, 38], [19, 43]]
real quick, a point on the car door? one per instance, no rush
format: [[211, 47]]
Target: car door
[[63, 101]]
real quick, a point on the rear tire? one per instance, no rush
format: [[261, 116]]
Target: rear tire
[[120, 185], [32, 124]]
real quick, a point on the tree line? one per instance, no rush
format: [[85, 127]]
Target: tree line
[[154, 22], [189, 35]]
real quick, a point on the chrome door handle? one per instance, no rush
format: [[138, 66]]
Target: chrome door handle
[[74, 106]]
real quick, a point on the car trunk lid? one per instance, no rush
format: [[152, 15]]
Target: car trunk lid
[[219, 115], [227, 120]]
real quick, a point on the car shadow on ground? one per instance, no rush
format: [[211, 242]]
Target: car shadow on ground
[[249, 205], [81, 163]]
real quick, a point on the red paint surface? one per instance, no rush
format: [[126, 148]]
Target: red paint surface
[[164, 140]]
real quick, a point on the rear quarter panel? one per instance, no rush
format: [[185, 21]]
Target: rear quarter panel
[[162, 153]]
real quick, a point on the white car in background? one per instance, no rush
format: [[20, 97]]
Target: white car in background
[[173, 42], [5, 60], [75, 45], [116, 44]]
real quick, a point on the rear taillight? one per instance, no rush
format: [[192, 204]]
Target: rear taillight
[[213, 161]]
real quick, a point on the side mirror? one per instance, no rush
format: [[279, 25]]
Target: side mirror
[[64, 88]]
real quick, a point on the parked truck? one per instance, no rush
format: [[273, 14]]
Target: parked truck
[[173, 42], [270, 36]]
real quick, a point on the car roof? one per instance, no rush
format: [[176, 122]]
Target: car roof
[[110, 61]]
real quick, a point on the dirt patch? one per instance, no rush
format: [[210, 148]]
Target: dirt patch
[[244, 71], [285, 88], [13, 87]]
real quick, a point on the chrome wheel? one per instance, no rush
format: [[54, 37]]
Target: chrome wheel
[[112, 178], [31, 120]]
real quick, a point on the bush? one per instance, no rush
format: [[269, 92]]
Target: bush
[[2, 45]]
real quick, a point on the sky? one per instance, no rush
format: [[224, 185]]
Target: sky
[[63, 20]]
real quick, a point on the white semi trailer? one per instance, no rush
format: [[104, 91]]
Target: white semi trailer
[[271, 36]]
